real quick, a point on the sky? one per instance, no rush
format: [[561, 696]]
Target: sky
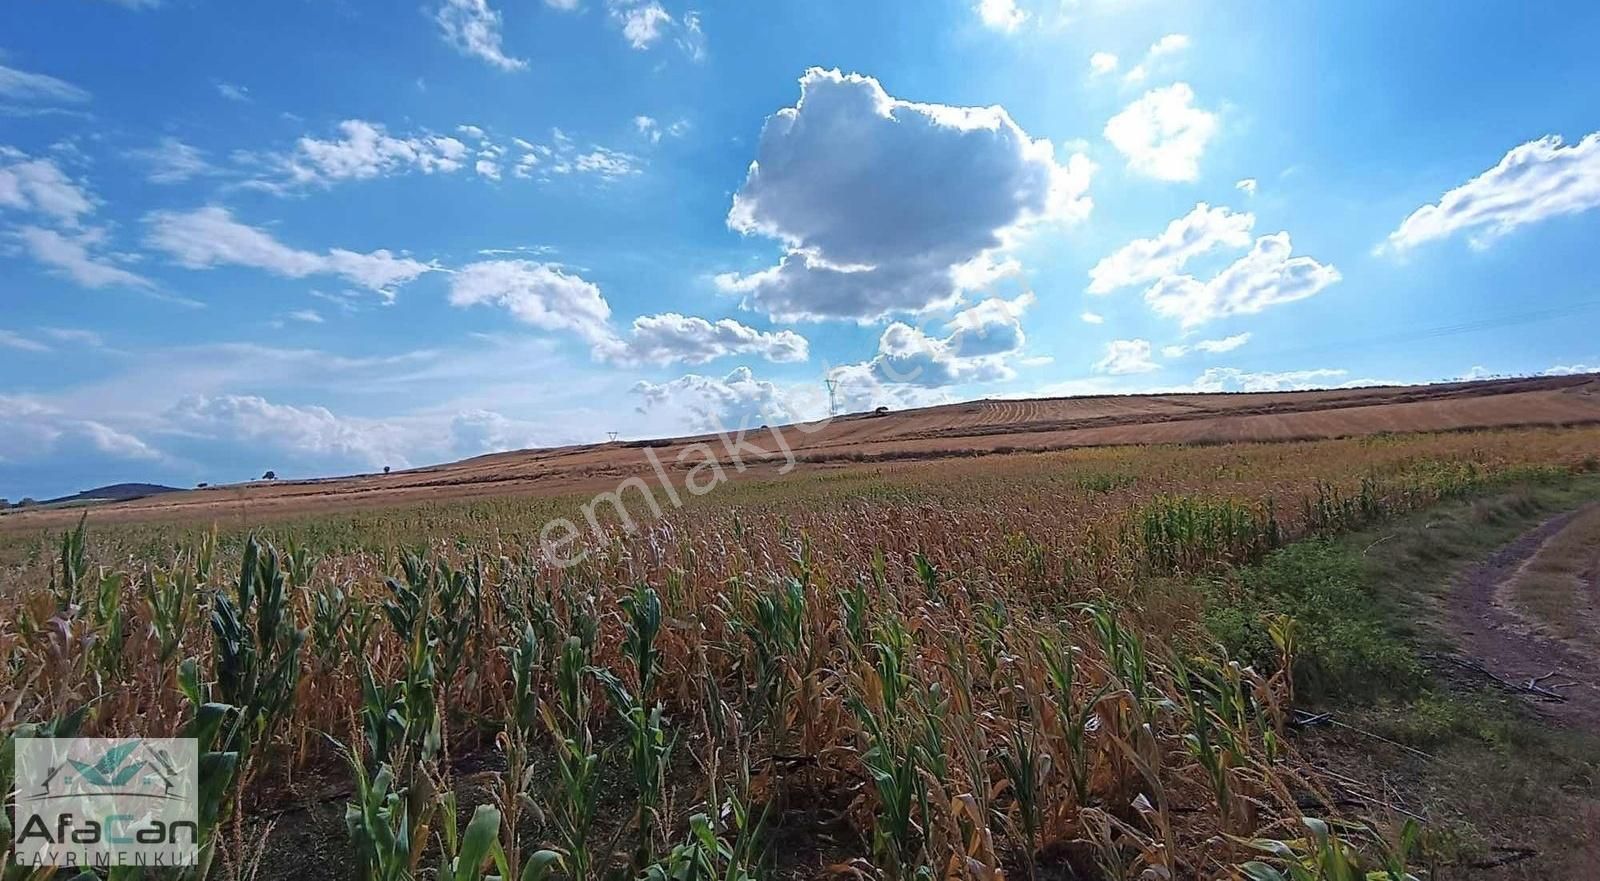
[[328, 237]]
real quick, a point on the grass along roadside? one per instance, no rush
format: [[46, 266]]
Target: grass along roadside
[[1496, 786], [1559, 588]]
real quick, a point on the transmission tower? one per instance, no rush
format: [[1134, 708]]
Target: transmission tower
[[612, 435], [833, 396]]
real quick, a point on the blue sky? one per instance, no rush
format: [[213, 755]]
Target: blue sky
[[322, 237]]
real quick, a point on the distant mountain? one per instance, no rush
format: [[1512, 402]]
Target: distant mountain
[[116, 492]]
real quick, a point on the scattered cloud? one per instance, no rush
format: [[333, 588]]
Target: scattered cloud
[[884, 205], [1210, 347], [209, 237], [1268, 275], [673, 338], [172, 161], [1164, 48], [1232, 379], [1126, 356], [652, 130], [306, 316], [1093, 318], [366, 150], [1571, 369], [978, 344], [1102, 63], [545, 295], [1163, 134], [300, 432], [1142, 260], [642, 23], [10, 339], [1246, 186], [41, 187], [709, 403], [73, 255], [1532, 182], [38, 88], [473, 28], [233, 92], [37, 429], [1001, 15]]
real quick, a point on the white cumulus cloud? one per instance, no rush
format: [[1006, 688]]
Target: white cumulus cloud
[[1267, 276], [1126, 356], [1163, 134], [1001, 15], [1532, 182], [1211, 347], [673, 338], [1200, 231], [544, 295], [709, 403], [885, 205]]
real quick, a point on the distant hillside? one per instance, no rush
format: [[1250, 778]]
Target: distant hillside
[[116, 492]]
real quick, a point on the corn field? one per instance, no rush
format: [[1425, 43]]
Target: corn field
[[922, 672]]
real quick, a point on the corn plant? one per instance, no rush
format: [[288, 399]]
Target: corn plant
[[256, 650], [1025, 767], [1075, 716], [575, 792], [1322, 855], [463, 856], [171, 601]]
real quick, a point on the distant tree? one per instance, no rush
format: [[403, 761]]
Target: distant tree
[[27, 501], [270, 475], [4, 504], [386, 469], [201, 485]]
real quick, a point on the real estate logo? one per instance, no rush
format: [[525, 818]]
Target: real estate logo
[[83, 801]]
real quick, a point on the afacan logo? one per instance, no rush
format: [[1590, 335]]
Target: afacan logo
[[106, 802]]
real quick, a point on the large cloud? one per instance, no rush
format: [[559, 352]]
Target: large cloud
[[1163, 134], [1144, 260], [1533, 181], [1267, 276], [885, 205], [209, 237]]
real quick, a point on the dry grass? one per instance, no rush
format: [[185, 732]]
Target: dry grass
[[1559, 589]]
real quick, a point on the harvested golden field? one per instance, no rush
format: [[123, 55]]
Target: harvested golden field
[[933, 433], [966, 669]]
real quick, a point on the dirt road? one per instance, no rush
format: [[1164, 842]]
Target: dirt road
[[1493, 634]]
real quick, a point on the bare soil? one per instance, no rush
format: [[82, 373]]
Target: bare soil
[[1495, 635]]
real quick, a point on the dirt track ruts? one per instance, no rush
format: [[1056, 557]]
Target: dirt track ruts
[[1501, 641]]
